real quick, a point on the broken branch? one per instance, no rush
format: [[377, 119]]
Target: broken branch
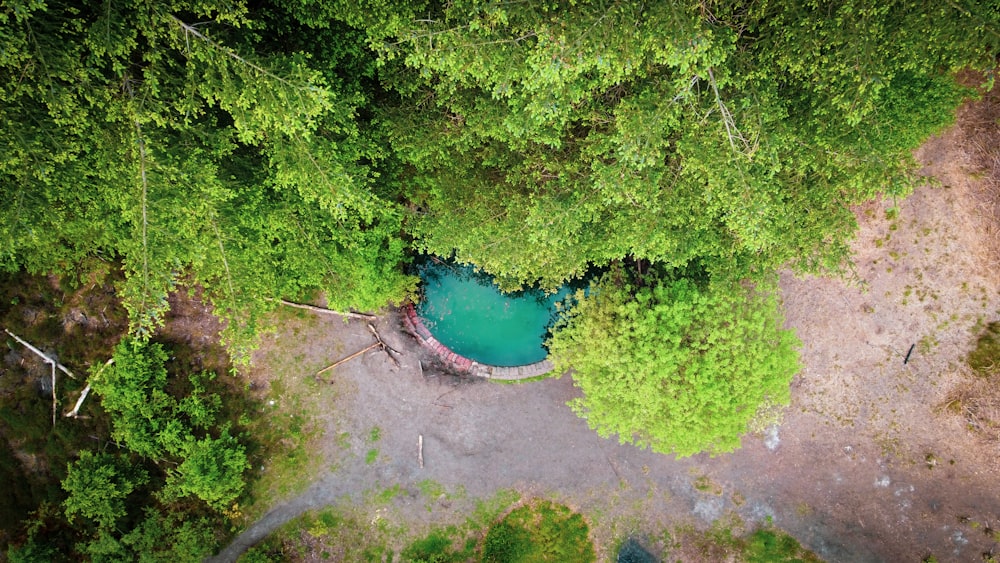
[[75, 413], [326, 311], [348, 358], [420, 450], [41, 354], [79, 403]]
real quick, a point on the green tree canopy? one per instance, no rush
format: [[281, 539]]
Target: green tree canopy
[[675, 366], [541, 138], [190, 152], [98, 485]]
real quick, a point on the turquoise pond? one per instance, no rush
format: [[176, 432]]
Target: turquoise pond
[[467, 312]]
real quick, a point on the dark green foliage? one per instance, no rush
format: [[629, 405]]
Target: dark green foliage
[[212, 471], [98, 485], [33, 551], [537, 532], [675, 366], [144, 137], [985, 358], [154, 424], [542, 139], [159, 538]]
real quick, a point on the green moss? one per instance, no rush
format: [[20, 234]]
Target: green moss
[[985, 358], [437, 547], [774, 546], [539, 531]]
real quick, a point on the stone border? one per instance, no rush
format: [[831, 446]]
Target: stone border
[[413, 325]]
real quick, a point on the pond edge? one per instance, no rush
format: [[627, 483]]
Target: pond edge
[[461, 364]]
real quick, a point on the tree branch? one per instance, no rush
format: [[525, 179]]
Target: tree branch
[[41, 354], [75, 413], [315, 309]]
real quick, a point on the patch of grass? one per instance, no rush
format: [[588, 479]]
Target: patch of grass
[[386, 495], [371, 456], [706, 485], [985, 358], [726, 540], [332, 534], [542, 377], [774, 546], [539, 531], [375, 434], [488, 510], [431, 489], [438, 547]]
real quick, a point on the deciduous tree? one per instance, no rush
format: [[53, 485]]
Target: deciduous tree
[[676, 366]]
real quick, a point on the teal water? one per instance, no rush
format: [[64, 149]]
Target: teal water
[[468, 313]]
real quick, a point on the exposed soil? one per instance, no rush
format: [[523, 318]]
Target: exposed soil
[[867, 465]]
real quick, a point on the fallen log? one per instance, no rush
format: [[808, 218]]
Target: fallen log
[[316, 309]]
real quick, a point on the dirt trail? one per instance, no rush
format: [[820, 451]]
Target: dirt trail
[[864, 467]]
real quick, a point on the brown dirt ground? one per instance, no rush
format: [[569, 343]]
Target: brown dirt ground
[[867, 465]]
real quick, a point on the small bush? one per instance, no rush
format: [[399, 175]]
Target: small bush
[[538, 532]]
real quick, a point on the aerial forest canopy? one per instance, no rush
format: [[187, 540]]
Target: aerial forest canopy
[[281, 149]]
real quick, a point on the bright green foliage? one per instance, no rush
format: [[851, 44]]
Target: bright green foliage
[[674, 366], [146, 418], [144, 137], [98, 485], [775, 546], [133, 392], [212, 470], [542, 137], [537, 532], [152, 423], [437, 547]]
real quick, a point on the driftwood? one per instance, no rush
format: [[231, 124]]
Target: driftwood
[[379, 343], [316, 309]]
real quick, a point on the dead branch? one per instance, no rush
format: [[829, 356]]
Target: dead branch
[[315, 309], [55, 400], [420, 450], [41, 354], [348, 358], [75, 413], [379, 343], [389, 350]]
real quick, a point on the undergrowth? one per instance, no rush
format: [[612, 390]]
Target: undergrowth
[[539, 531], [985, 358]]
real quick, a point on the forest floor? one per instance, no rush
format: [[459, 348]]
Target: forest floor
[[873, 461]]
